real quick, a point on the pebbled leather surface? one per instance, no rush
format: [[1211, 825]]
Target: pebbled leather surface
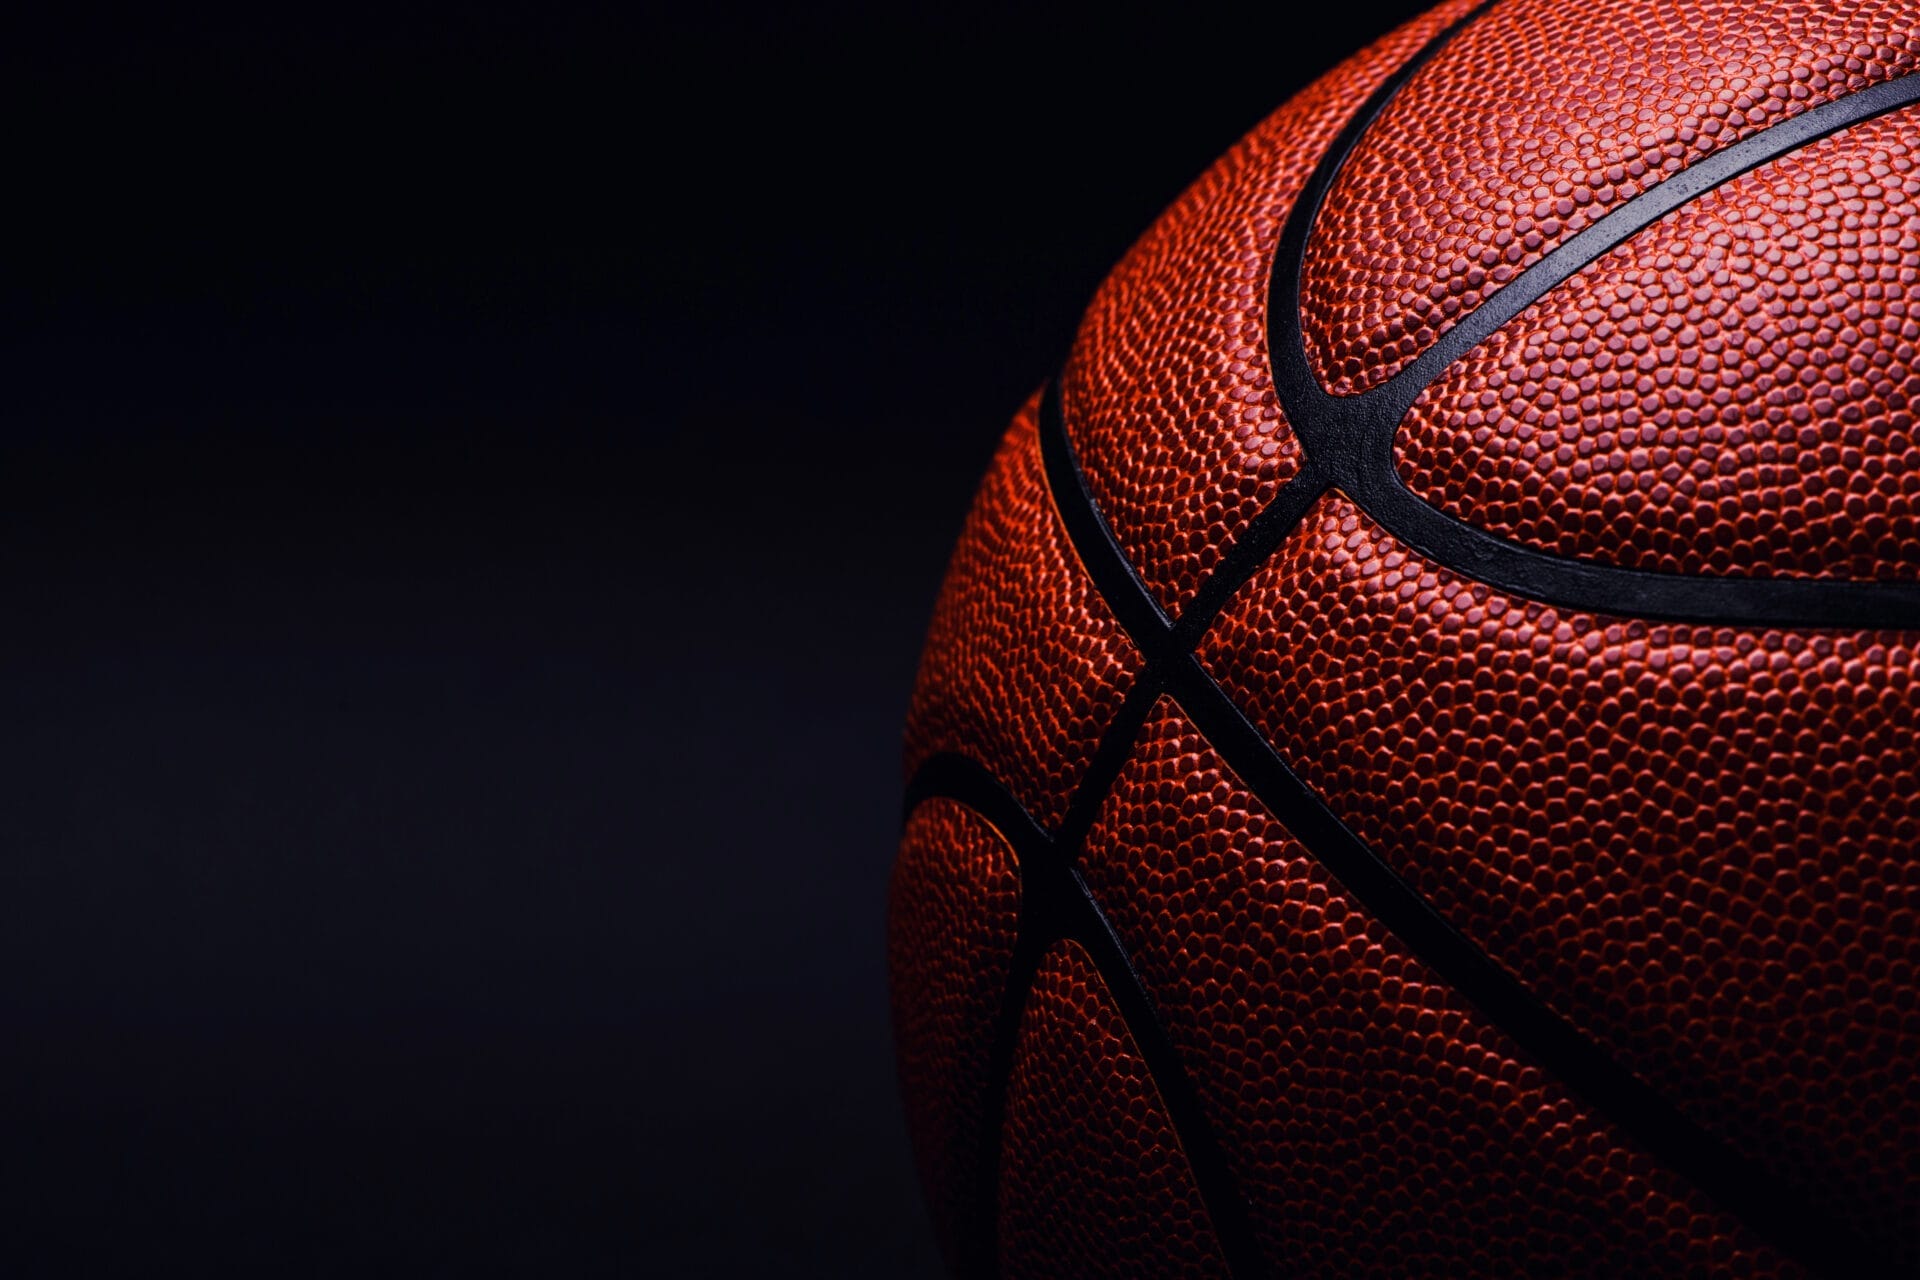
[[1024, 663], [1540, 118], [1094, 1181], [1731, 392], [1697, 845], [1168, 391], [952, 912], [1694, 844], [1377, 1123]]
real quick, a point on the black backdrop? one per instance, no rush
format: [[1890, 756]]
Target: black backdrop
[[472, 483]]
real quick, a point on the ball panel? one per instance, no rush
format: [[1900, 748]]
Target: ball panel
[[1024, 664], [952, 913], [1730, 392], [1093, 1179], [1168, 394], [1377, 1124], [1695, 844], [1536, 121]]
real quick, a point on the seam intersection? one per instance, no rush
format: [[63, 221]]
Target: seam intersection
[[1347, 444]]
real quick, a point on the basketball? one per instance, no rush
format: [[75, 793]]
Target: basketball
[[1413, 769]]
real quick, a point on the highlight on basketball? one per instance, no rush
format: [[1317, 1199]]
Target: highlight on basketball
[[1413, 771]]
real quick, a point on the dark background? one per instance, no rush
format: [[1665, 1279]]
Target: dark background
[[472, 484]]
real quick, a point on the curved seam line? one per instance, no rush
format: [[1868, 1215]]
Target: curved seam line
[[1355, 435], [1580, 1063], [1727, 1178], [1057, 905], [1167, 646]]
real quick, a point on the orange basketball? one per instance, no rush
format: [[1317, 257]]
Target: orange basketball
[[1414, 768]]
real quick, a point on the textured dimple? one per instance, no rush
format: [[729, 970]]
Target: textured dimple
[[1693, 844], [1024, 663], [1730, 392], [1696, 844], [1168, 394], [1379, 1125], [1539, 119], [951, 916], [1094, 1182]]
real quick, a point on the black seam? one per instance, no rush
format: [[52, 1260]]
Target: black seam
[[1043, 859], [1351, 438], [1161, 643], [1055, 905], [1347, 443], [1774, 1212]]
